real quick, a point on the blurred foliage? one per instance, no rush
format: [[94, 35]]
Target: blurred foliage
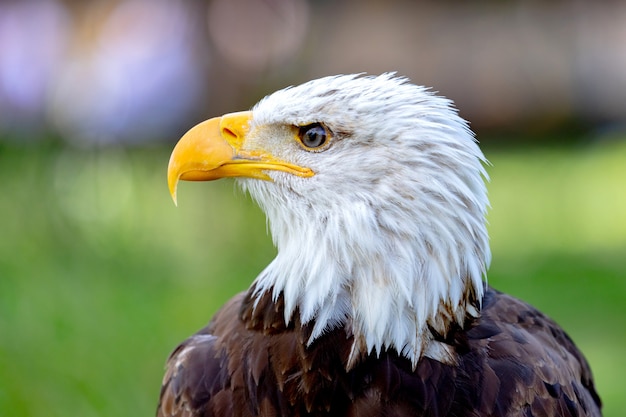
[[101, 275]]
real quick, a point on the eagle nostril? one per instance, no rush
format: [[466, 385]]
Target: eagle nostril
[[227, 133]]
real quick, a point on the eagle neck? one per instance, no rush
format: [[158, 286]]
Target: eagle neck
[[390, 290]]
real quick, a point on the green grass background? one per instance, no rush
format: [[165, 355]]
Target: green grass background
[[101, 276]]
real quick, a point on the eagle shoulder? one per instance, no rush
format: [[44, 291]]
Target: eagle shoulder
[[525, 363], [247, 362]]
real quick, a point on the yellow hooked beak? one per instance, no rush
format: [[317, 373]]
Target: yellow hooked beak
[[214, 149]]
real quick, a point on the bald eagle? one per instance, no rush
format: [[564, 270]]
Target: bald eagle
[[376, 304]]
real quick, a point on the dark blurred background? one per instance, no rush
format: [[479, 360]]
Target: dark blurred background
[[135, 71], [100, 276]]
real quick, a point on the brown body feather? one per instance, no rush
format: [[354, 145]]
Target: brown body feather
[[512, 361]]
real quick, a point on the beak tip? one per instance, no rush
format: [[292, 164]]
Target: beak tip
[[172, 184], [174, 195]]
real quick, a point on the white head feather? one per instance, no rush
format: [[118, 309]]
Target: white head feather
[[388, 238]]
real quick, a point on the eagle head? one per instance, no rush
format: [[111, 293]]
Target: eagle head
[[374, 189]]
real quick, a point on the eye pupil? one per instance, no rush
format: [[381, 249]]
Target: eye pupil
[[313, 135]]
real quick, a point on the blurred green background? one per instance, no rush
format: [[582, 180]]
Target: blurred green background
[[101, 275]]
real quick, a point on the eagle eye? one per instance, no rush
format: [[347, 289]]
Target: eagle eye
[[313, 136]]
